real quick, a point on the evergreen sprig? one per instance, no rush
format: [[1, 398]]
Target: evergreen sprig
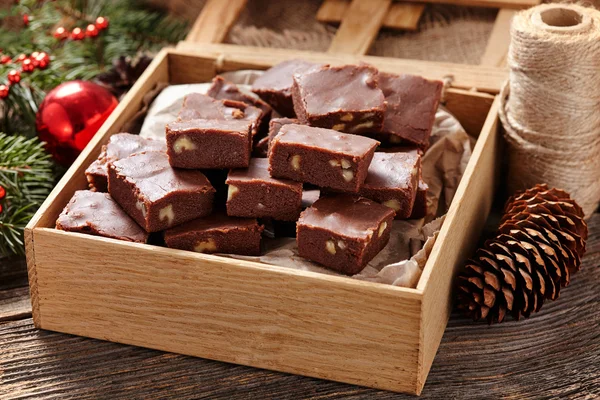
[[26, 174]]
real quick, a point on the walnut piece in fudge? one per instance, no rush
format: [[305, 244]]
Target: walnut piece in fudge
[[346, 99], [392, 181], [275, 85], [199, 106], [225, 90], [98, 214], [119, 146], [217, 234], [209, 144], [420, 207], [254, 193], [412, 102], [156, 195], [344, 232], [274, 126], [323, 157]]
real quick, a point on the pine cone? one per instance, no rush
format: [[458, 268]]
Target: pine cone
[[540, 243], [123, 74]]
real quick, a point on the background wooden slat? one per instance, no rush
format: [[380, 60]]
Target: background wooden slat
[[403, 16], [513, 4], [499, 40], [359, 26], [214, 21]]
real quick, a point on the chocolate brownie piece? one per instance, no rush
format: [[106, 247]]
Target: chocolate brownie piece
[[217, 234], [225, 90], [345, 98], [412, 102], [199, 106], [254, 193], [274, 126], [210, 144], [392, 181], [98, 214], [156, 195], [275, 85], [420, 207], [323, 157], [344, 232], [119, 146]]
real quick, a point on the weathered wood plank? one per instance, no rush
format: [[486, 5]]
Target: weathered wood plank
[[513, 4], [499, 40], [215, 20]]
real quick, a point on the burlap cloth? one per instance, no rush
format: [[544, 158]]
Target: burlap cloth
[[446, 33]]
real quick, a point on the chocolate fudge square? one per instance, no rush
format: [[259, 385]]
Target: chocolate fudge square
[[222, 89], [199, 106], [253, 193], [119, 146], [392, 181], [323, 157], [412, 102], [346, 98], [420, 207], [209, 144], [217, 233], [274, 126], [98, 214], [156, 195], [275, 85], [344, 232]]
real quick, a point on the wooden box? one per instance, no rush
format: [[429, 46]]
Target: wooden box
[[249, 313]]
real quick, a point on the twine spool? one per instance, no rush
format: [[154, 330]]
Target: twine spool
[[551, 103]]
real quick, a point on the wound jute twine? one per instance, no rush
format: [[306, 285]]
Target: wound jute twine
[[551, 102]]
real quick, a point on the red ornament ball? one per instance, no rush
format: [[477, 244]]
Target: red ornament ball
[[5, 59], [14, 76], [101, 23], [70, 116], [26, 19], [27, 65], [91, 31], [4, 90], [60, 33], [77, 34]]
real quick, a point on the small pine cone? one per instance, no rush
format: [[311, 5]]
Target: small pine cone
[[540, 243]]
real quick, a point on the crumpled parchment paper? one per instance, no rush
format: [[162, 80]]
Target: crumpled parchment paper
[[401, 262]]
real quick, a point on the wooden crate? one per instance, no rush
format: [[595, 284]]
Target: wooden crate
[[249, 313]]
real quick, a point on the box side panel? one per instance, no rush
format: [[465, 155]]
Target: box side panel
[[484, 78], [229, 310], [457, 238]]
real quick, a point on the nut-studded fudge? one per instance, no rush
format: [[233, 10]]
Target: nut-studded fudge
[[98, 214], [323, 157], [412, 102], [344, 232], [392, 181], [420, 207], [156, 195], [346, 98], [217, 234], [254, 193], [199, 106], [274, 126], [209, 143], [120, 145], [224, 90], [275, 85]]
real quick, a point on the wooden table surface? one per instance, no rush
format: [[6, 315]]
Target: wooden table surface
[[554, 354]]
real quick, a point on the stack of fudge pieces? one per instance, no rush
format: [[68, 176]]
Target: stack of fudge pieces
[[233, 160]]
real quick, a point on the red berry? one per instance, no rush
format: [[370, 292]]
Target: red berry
[[14, 76], [5, 59], [91, 30], [43, 60], [2, 190], [60, 33], [3, 94], [0, 208], [20, 58], [27, 65], [101, 23], [77, 34], [34, 54], [26, 19]]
